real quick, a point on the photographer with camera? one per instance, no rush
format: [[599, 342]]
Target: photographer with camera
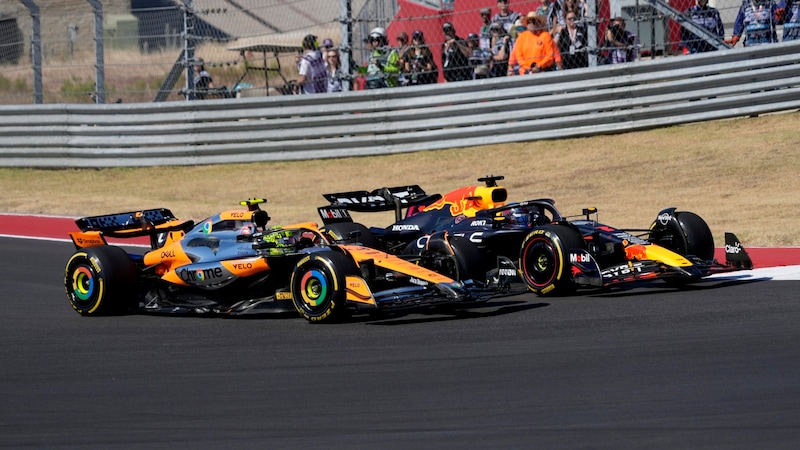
[[620, 44]]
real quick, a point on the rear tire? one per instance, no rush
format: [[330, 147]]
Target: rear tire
[[461, 261], [342, 232], [318, 286], [685, 234], [100, 280], [544, 259]]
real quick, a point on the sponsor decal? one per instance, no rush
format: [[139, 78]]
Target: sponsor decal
[[405, 227], [95, 263], [417, 281], [207, 227], [624, 269], [423, 241], [237, 215], [664, 218], [507, 272], [478, 223], [242, 266], [283, 296], [579, 258], [167, 254], [334, 213], [201, 276], [628, 238], [733, 249]]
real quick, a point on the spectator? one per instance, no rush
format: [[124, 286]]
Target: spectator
[[552, 11], [479, 59], [516, 31], [383, 67], [706, 17], [789, 16], [501, 48], [313, 76], [419, 62], [334, 65], [327, 44], [455, 55], [756, 18], [535, 50], [505, 16], [572, 43], [402, 48], [581, 10], [486, 29], [620, 44], [203, 82]]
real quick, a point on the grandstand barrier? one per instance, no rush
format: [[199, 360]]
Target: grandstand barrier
[[566, 104]]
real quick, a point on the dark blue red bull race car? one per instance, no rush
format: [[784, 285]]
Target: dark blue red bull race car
[[473, 233]]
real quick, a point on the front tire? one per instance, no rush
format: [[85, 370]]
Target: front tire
[[100, 281], [318, 286], [544, 259], [686, 234]]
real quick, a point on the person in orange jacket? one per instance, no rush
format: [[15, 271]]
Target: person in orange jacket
[[534, 50]]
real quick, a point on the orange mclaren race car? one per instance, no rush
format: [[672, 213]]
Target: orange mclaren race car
[[234, 263], [473, 233]]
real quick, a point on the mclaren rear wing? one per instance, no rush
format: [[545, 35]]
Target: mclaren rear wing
[[382, 199], [149, 222]]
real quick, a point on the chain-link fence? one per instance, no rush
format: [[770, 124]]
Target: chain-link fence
[[146, 50]]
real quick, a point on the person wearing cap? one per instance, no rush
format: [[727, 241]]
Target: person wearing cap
[[202, 80], [534, 51], [501, 49], [480, 59], [313, 77], [455, 55], [383, 66], [418, 61], [485, 33]]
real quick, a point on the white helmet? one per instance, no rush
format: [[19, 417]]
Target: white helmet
[[378, 31]]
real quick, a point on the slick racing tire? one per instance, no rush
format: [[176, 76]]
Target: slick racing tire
[[455, 257], [100, 281], [686, 234], [544, 259], [342, 232], [318, 286]]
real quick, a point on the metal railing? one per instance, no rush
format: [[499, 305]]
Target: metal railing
[[581, 102]]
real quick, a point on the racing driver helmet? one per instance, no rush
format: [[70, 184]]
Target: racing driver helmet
[[525, 216]]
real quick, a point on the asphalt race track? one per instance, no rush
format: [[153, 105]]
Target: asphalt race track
[[716, 366]]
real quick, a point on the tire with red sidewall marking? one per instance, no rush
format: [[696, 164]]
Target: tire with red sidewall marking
[[100, 280], [318, 286], [544, 259]]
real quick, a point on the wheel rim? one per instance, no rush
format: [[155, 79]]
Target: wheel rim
[[539, 262], [83, 284], [314, 287]]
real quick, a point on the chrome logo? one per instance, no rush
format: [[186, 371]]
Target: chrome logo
[[207, 227]]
